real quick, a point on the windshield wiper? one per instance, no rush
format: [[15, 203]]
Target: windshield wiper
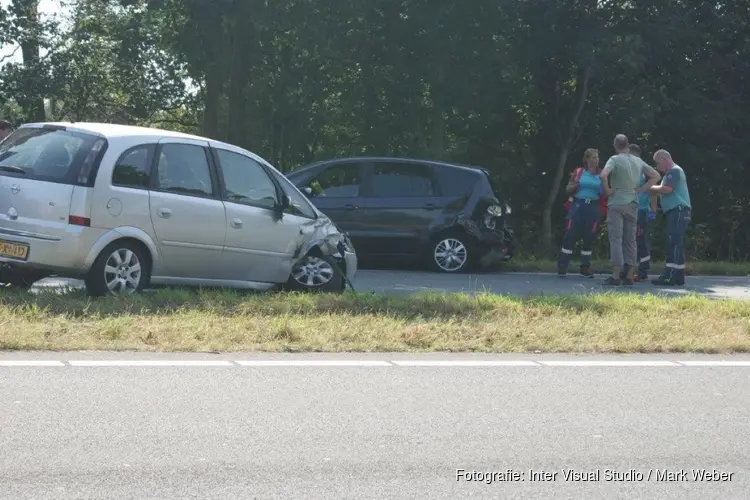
[[12, 168]]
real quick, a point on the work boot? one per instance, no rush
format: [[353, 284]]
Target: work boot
[[586, 272], [562, 272], [664, 281], [624, 272], [612, 282]]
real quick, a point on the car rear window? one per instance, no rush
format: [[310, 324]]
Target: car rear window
[[51, 154]]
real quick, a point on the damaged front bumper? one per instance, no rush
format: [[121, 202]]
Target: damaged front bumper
[[346, 258], [337, 245], [492, 240]]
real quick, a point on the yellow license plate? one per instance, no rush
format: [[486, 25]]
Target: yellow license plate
[[14, 250]]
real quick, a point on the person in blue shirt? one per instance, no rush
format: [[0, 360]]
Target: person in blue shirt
[[647, 206], [675, 203], [584, 214]]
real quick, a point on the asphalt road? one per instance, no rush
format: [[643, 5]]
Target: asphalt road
[[516, 283], [392, 431]]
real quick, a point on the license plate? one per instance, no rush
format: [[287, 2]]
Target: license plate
[[14, 250]]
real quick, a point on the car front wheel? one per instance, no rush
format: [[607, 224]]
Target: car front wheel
[[316, 274], [450, 253]]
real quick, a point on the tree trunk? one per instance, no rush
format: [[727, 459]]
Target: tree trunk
[[211, 102], [241, 42], [215, 77], [32, 100], [582, 86]]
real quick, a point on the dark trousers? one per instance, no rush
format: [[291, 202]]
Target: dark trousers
[[678, 221], [643, 241], [583, 218]]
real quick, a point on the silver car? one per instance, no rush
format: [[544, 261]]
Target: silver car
[[123, 207]]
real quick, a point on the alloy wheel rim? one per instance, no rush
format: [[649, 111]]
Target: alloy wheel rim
[[313, 272], [122, 272], [450, 254]]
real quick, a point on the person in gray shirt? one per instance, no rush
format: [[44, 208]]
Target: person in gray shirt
[[621, 178]]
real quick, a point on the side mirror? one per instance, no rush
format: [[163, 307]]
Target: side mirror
[[283, 203], [307, 190]]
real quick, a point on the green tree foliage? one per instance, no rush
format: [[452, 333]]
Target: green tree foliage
[[522, 88]]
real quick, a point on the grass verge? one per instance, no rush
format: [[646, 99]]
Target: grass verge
[[185, 320], [604, 266]]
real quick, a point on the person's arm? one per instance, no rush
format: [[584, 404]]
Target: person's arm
[[651, 180], [653, 202], [572, 186], [604, 176], [668, 184]]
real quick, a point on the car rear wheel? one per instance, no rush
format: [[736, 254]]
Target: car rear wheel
[[316, 274], [120, 269], [450, 253]]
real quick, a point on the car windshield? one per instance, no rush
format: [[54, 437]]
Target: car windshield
[[45, 153]]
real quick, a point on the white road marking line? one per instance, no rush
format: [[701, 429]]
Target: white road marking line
[[301, 362], [609, 363], [373, 363], [465, 363], [121, 362], [715, 363], [31, 363]]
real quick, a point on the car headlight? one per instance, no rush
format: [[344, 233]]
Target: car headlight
[[495, 210]]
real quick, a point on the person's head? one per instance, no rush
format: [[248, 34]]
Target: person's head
[[635, 150], [663, 160], [621, 143], [5, 129], [591, 159]]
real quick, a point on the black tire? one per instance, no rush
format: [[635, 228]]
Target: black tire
[[326, 266], [453, 240], [96, 279]]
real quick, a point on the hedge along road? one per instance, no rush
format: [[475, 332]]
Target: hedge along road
[[523, 284]]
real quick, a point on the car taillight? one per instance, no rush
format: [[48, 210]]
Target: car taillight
[[79, 221]]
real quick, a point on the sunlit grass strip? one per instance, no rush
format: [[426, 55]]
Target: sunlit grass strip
[[179, 320]]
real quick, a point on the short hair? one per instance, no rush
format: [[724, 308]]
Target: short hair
[[589, 153], [636, 149], [662, 153], [621, 141]]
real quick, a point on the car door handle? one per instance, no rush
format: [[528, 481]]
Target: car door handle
[[164, 213], [236, 223], [430, 206], [350, 207]]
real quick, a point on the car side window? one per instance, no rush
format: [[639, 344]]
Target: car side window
[[337, 181], [455, 181], [401, 180], [246, 181], [133, 167], [299, 204], [184, 169]]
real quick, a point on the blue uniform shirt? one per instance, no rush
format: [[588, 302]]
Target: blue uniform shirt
[[680, 196], [643, 202], [589, 186]]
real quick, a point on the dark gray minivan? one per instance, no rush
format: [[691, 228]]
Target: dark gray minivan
[[451, 217]]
